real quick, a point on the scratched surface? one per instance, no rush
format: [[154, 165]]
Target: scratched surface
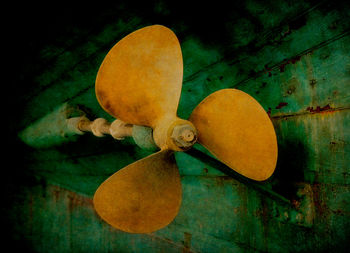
[[292, 56]]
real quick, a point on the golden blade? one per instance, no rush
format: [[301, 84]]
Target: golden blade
[[142, 197], [236, 129], [140, 79]]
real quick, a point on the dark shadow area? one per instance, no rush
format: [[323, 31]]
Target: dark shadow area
[[262, 187], [292, 160], [291, 163], [17, 180]]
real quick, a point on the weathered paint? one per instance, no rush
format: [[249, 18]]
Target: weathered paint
[[291, 56]]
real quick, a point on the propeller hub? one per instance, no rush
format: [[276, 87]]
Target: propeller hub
[[184, 136], [175, 134]]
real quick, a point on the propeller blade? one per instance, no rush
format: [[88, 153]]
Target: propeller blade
[[140, 79], [235, 128], [142, 197]]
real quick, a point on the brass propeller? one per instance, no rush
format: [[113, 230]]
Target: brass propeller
[[142, 197], [140, 79], [139, 82], [235, 128]]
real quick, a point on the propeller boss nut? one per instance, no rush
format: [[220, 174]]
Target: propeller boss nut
[[184, 136]]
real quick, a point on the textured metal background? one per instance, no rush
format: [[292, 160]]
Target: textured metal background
[[292, 56]]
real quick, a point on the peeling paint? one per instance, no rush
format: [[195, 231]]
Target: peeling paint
[[290, 61]]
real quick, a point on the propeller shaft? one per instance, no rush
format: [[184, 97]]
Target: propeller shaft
[[100, 127]]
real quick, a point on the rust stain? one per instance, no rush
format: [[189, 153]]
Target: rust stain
[[320, 205], [282, 66], [187, 242], [340, 212], [296, 203], [220, 180], [290, 61], [154, 237], [268, 70], [56, 193], [74, 201], [281, 105], [319, 109], [269, 112], [309, 111], [313, 83]]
